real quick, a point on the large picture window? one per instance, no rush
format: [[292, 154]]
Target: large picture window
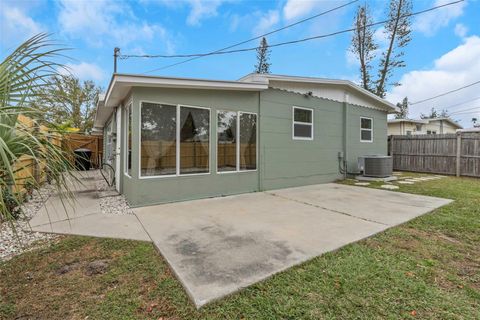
[[128, 140], [226, 141], [366, 129], [236, 141], [248, 141], [194, 140], [302, 124], [158, 139], [162, 125]]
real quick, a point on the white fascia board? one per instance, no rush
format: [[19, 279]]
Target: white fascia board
[[122, 83], [266, 77]]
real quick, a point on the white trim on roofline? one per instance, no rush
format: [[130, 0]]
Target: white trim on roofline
[[265, 78], [130, 80]]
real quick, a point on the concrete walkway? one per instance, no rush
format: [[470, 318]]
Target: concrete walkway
[[217, 246], [83, 216]]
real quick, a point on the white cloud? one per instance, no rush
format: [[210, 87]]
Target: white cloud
[[461, 30], [202, 9], [84, 71], [16, 26], [266, 22], [452, 70], [429, 23], [352, 59], [108, 22], [298, 8]]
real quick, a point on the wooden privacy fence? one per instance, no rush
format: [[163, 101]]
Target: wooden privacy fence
[[158, 153], [73, 141], [27, 168], [453, 154]]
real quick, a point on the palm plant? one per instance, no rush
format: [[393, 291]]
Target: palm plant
[[21, 73]]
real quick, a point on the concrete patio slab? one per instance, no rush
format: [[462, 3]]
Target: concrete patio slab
[[388, 208], [220, 245]]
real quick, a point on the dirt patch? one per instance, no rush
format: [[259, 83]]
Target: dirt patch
[[97, 267]]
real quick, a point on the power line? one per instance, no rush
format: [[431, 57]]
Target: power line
[[223, 51], [260, 36], [467, 112], [445, 93], [458, 104], [468, 109]]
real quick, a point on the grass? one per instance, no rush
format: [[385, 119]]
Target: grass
[[428, 268]]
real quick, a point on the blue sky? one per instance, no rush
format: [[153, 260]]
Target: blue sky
[[443, 55]]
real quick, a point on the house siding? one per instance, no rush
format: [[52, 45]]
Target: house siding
[[287, 162], [282, 161]]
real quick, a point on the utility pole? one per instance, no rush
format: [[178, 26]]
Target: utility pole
[[116, 53]]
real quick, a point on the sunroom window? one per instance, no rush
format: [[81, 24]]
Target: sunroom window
[[236, 141], [226, 141], [162, 127], [158, 140], [194, 140]]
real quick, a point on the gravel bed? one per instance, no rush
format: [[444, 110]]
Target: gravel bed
[[116, 204], [15, 239]]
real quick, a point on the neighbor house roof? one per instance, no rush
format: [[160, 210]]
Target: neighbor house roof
[[121, 85], [426, 121], [422, 121], [452, 122]]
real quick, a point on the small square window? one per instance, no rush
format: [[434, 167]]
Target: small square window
[[302, 124], [366, 129]]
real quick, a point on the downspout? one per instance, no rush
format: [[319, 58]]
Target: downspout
[[261, 153], [345, 134]]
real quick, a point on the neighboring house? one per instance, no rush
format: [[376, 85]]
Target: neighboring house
[[422, 126], [177, 139]]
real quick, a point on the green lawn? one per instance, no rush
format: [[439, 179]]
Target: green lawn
[[428, 268]]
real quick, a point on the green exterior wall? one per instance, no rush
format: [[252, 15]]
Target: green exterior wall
[[282, 161]]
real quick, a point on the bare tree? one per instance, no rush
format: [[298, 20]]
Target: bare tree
[[397, 33], [363, 45], [263, 57], [434, 113], [397, 30], [403, 106]]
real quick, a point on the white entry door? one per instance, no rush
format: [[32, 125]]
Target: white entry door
[[117, 147]]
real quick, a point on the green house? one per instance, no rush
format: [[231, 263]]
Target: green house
[[173, 139]]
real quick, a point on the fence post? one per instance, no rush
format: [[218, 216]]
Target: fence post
[[459, 151]]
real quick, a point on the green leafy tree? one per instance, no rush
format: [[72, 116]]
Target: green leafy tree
[[403, 106], [263, 57], [66, 99], [397, 32]]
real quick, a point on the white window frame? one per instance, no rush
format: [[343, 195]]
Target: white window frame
[[237, 143], [128, 108], [365, 129], [177, 137], [303, 123]]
